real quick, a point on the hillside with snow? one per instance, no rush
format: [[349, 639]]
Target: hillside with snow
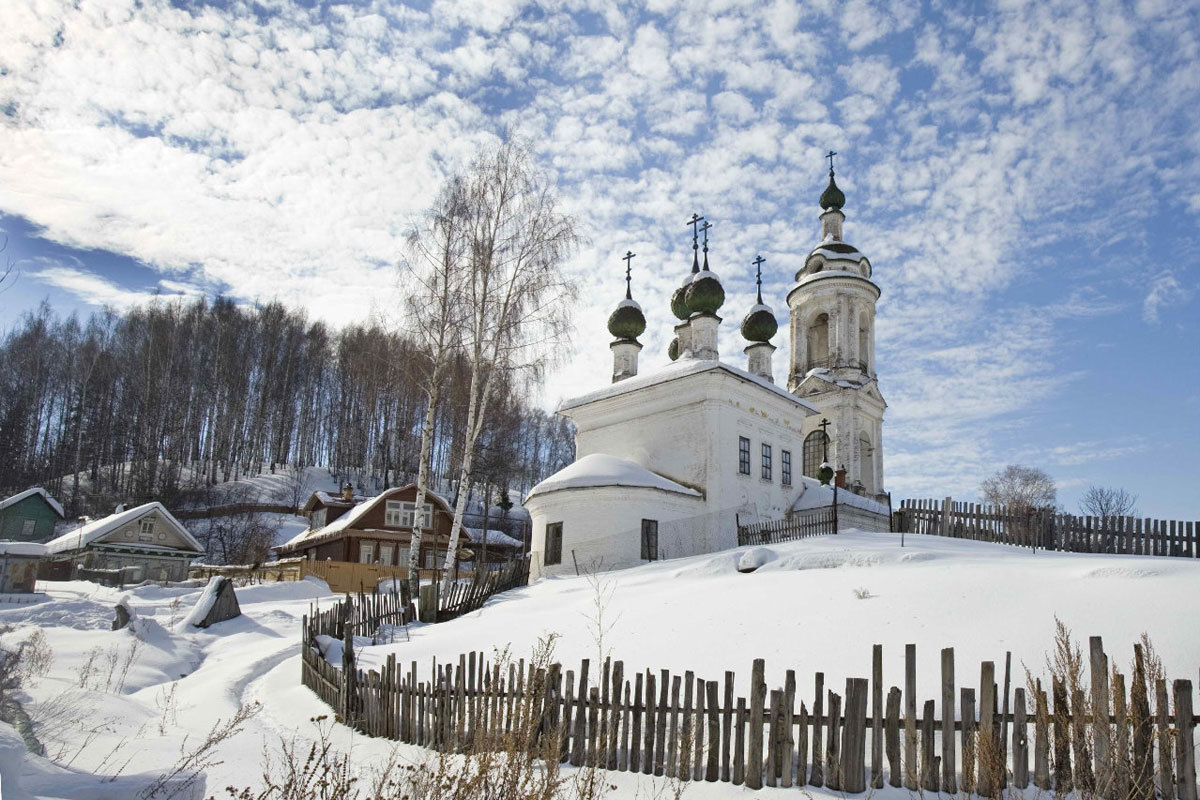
[[123, 702]]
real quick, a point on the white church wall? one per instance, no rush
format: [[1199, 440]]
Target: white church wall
[[602, 527]]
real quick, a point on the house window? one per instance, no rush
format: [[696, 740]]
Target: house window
[[785, 467], [399, 514], [318, 518], [385, 554], [743, 455], [649, 540], [766, 462], [429, 559], [27, 528], [366, 552], [553, 553], [814, 452], [146, 530]]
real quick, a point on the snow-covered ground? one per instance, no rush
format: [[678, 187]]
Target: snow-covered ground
[[800, 610]]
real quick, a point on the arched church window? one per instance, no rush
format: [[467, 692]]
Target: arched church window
[[818, 343], [814, 452]]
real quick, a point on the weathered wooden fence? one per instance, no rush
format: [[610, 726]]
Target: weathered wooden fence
[[465, 597], [1048, 530], [799, 525], [1102, 740]]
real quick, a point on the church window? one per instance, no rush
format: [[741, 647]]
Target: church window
[[743, 455], [785, 467], [553, 552], [818, 343], [766, 462], [814, 452], [649, 540]]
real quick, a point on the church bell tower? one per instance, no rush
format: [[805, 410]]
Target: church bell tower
[[832, 310]]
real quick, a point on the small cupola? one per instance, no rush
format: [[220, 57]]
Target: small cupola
[[626, 323], [705, 294], [831, 202], [758, 327]]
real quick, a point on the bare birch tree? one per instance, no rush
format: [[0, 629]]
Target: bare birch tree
[[517, 297], [1108, 504], [437, 264]]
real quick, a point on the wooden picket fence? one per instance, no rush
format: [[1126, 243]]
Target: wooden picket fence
[[465, 597], [1101, 741], [800, 525], [1050, 531], [361, 615]]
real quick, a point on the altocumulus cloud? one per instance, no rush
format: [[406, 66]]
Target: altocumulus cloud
[[284, 152]]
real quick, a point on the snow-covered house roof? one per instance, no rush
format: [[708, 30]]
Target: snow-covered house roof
[[352, 516], [494, 537], [94, 530], [601, 469], [10, 548], [50, 501], [676, 371]]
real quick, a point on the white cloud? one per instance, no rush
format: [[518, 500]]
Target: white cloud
[[1165, 291], [92, 288]]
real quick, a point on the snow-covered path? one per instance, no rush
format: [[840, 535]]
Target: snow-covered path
[[800, 610]]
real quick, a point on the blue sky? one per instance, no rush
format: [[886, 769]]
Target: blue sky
[[1023, 175]]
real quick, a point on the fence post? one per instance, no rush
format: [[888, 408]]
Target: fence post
[[835, 504]]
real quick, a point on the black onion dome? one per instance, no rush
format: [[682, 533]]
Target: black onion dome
[[678, 302], [760, 324], [628, 321], [832, 197], [705, 294]]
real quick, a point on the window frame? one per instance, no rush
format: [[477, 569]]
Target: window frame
[[785, 467], [768, 462], [552, 544], [743, 455], [366, 551], [650, 540]]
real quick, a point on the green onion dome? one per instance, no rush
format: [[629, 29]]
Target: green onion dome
[[760, 324], [705, 294], [628, 321], [678, 304], [673, 349], [832, 197]]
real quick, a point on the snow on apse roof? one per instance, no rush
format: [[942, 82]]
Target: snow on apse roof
[[601, 469]]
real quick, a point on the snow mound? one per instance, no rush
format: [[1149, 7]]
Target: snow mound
[[307, 589], [12, 761], [754, 558], [82, 615]]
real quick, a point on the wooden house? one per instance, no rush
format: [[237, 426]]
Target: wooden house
[[29, 516], [19, 566], [376, 530], [142, 543]]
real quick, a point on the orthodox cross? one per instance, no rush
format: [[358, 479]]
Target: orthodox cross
[[825, 440], [830, 156], [629, 256], [705, 228], [695, 223], [758, 262]]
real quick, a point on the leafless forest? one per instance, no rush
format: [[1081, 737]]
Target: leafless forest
[[168, 399]]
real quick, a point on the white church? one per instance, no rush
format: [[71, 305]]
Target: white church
[[670, 463]]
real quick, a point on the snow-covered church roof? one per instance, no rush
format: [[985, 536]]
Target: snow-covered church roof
[[674, 371], [601, 469]]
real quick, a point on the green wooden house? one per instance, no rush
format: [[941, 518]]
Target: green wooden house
[[29, 516]]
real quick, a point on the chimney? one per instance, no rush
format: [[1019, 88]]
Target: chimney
[[348, 492], [758, 360], [839, 478]]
